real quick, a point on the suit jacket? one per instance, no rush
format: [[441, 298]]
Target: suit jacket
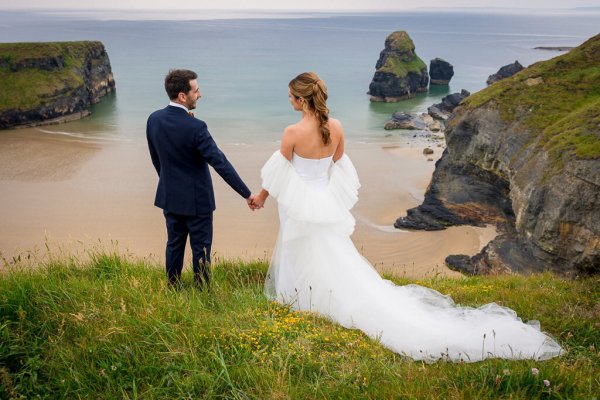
[[181, 149]]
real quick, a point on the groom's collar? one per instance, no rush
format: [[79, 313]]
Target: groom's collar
[[172, 103]]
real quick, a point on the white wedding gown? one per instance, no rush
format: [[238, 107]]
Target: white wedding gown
[[316, 267]]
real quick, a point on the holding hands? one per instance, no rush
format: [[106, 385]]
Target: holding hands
[[257, 201]]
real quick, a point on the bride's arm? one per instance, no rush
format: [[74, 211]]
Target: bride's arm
[[339, 151], [287, 150], [287, 143]]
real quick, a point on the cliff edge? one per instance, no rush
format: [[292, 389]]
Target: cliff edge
[[524, 154], [43, 83]]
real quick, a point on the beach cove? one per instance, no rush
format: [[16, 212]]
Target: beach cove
[[90, 182], [73, 194]]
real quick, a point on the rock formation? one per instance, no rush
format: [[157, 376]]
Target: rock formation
[[44, 83], [440, 71], [404, 120], [526, 158], [400, 73], [441, 111], [505, 72]]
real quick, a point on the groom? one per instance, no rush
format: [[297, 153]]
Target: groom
[[181, 149]]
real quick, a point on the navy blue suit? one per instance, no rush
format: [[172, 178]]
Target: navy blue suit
[[181, 149]]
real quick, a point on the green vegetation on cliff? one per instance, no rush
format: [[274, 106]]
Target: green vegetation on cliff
[[110, 328], [558, 101], [32, 73], [402, 58], [400, 41], [402, 68]]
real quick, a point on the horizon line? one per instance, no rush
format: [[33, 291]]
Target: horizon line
[[63, 8]]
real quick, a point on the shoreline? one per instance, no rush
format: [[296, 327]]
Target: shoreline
[[53, 193]]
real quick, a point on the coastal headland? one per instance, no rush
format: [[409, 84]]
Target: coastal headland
[[45, 83]]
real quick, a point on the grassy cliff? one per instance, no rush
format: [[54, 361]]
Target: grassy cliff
[[558, 101], [110, 328], [41, 81]]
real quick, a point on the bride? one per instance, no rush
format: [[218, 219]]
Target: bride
[[316, 267]]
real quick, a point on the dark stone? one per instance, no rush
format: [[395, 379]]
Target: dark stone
[[442, 111], [505, 72], [461, 263], [403, 120], [440, 71], [45, 64], [436, 113]]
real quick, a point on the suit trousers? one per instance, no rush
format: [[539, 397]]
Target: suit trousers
[[200, 230]]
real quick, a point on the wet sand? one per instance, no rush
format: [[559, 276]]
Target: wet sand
[[72, 194]]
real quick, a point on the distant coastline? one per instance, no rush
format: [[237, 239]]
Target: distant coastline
[[554, 48]]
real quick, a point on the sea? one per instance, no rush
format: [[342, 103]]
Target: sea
[[245, 60]]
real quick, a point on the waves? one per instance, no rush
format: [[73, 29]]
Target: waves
[[87, 136]]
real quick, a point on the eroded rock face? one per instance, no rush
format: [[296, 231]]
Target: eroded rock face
[[75, 75], [440, 71], [487, 175], [516, 159], [400, 72]]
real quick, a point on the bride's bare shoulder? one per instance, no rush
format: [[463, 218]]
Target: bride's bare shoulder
[[335, 126], [291, 130]]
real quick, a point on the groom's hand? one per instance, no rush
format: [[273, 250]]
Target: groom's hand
[[252, 202], [259, 201]]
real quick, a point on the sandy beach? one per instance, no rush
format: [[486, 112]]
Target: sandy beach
[[72, 194]]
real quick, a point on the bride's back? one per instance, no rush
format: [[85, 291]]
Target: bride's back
[[308, 141]]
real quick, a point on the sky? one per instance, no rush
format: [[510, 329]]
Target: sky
[[313, 5]]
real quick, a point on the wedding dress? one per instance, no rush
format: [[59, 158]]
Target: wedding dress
[[316, 267]]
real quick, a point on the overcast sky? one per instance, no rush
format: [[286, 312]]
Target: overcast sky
[[291, 5]]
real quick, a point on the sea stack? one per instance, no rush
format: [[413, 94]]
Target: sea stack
[[42, 83], [400, 73], [440, 71]]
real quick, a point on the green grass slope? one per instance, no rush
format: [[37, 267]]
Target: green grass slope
[[557, 100], [112, 329]]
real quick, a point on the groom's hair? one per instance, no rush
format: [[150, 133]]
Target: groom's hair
[[178, 81]]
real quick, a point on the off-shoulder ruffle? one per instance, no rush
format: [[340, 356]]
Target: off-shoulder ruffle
[[309, 209]]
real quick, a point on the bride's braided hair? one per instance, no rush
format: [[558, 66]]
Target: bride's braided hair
[[312, 89]]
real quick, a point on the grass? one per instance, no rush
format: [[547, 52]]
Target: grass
[[28, 88], [406, 62], [562, 111], [402, 68], [110, 328]]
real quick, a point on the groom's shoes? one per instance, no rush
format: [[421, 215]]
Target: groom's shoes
[[174, 283], [202, 284]]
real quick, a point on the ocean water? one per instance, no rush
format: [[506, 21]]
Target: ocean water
[[245, 61]]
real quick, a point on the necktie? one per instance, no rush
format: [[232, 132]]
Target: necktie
[[191, 113]]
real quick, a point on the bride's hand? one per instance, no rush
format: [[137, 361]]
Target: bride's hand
[[258, 202]]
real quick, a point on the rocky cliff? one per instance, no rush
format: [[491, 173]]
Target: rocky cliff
[[49, 82], [524, 154], [400, 73]]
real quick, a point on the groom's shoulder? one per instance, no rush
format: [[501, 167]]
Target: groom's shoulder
[[157, 114]]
